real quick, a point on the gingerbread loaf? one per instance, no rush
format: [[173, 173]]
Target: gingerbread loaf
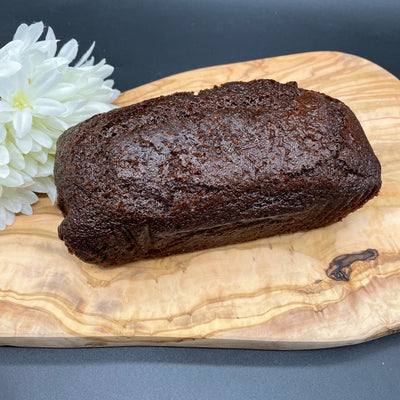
[[188, 172]]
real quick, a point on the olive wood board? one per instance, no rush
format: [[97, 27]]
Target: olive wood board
[[328, 287]]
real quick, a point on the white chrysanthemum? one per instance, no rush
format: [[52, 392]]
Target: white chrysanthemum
[[41, 95]]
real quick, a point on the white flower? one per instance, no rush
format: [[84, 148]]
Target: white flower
[[41, 95]]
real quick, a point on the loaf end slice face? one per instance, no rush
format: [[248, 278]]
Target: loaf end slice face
[[231, 164]]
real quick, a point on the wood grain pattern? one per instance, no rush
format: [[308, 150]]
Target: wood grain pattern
[[272, 293]]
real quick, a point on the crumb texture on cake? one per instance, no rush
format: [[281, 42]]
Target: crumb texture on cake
[[185, 172]]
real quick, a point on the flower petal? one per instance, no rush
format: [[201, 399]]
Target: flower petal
[[35, 31], [39, 156], [51, 38], [23, 195], [35, 147], [11, 205], [4, 155], [34, 57], [104, 71], [93, 108], [50, 34], [89, 62], [44, 82], [51, 63], [63, 91], [17, 161], [45, 185], [15, 200], [11, 49], [8, 87], [114, 96], [90, 68], [104, 95], [72, 106], [85, 57], [21, 32], [4, 171], [108, 83], [8, 68], [40, 137], [2, 217], [10, 218], [69, 50], [48, 107], [45, 169], [13, 179], [56, 124], [5, 107], [29, 34], [91, 85], [31, 166], [45, 48], [5, 117], [3, 133], [24, 144], [26, 209], [22, 122]]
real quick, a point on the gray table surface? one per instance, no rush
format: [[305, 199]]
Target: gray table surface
[[147, 40]]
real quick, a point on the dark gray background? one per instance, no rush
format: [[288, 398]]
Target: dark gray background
[[147, 40]]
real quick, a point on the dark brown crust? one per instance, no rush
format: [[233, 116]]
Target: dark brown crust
[[187, 172]]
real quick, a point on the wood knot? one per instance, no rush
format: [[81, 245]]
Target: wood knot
[[340, 267]]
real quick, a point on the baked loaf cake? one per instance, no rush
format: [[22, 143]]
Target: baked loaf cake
[[186, 172]]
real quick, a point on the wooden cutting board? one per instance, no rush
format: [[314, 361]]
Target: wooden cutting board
[[328, 287]]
